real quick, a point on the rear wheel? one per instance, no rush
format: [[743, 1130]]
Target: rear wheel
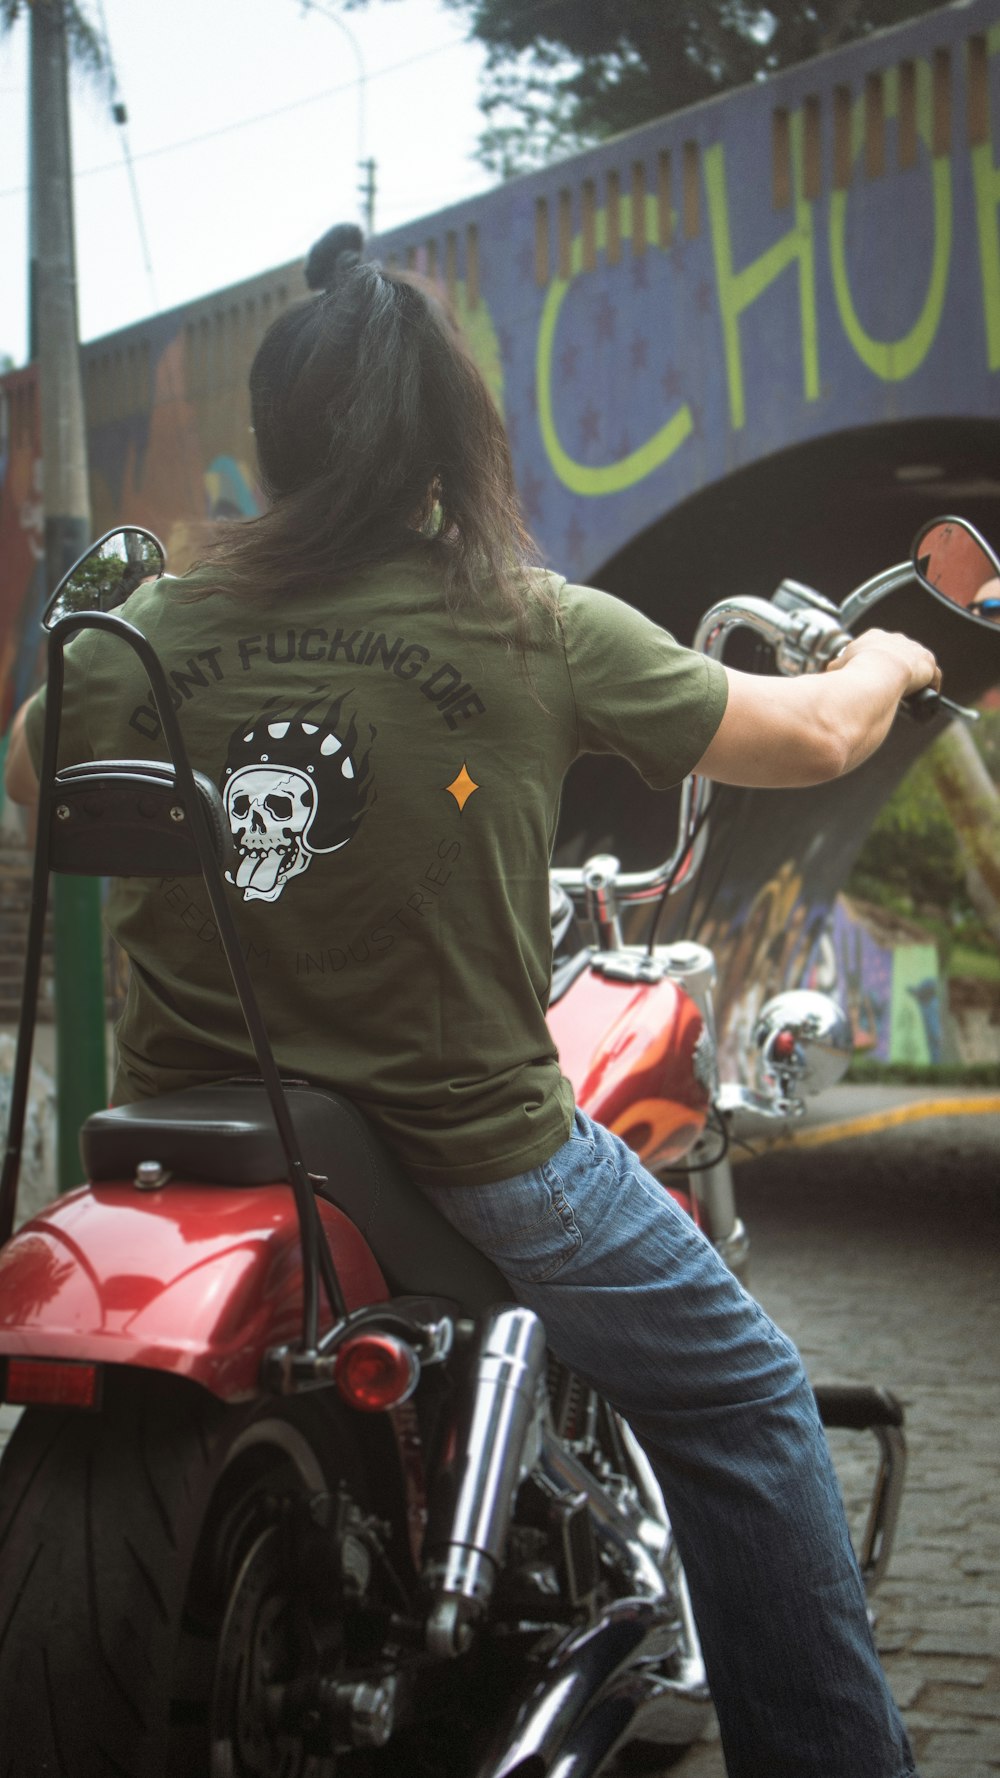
[[175, 1577]]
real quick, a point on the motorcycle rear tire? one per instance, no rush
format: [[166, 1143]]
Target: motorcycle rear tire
[[114, 1528]]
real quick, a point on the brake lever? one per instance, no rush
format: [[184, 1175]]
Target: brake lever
[[925, 705]]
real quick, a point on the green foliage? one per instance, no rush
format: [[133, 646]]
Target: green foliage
[[104, 580], [980, 966], [864, 1072], [86, 44], [911, 862], [987, 738], [565, 73], [911, 855]]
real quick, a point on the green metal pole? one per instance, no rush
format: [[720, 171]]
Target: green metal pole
[[81, 1069]]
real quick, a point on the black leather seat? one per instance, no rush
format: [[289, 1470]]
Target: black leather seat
[[225, 1134]]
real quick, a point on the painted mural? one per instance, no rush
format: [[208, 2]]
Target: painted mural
[[789, 261], [784, 263], [792, 261], [887, 975]]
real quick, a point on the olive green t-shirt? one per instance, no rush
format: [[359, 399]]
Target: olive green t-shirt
[[392, 781]]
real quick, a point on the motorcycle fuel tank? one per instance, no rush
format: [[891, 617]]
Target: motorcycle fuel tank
[[629, 1048]]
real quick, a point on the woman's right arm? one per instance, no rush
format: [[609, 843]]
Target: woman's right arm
[[784, 733]]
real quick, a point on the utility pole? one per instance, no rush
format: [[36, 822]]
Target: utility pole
[[54, 344], [366, 192]]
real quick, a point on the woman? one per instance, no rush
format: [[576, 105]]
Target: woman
[[389, 698]]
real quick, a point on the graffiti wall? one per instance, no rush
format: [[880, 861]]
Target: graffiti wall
[[887, 972], [790, 261], [794, 260], [813, 256]]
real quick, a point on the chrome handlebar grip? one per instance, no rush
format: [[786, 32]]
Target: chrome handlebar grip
[[804, 630]]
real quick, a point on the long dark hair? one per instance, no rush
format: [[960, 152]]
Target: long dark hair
[[377, 439]]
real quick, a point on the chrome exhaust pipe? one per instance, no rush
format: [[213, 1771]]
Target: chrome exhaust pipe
[[496, 1447], [603, 1682], [536, 1727], [690, 1662], [619, 1715], [592, 1694]]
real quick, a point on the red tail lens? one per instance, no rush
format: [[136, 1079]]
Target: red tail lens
[[375, 1371], [53, 1383], [783, 1047]]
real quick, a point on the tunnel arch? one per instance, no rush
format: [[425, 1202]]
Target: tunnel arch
[[830, 512]]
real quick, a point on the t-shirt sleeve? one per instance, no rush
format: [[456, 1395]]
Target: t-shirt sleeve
[[74, 736], [637, 691]]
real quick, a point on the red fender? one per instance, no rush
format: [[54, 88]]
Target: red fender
[[192, 1279]]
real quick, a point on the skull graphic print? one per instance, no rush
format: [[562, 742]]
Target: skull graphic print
[[295, 786]]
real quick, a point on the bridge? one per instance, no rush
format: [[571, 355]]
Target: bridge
[[756, 338]]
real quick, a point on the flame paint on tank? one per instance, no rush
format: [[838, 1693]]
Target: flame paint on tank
[[628, 1048]]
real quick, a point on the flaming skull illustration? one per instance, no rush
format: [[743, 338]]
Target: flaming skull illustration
[[294, 787]]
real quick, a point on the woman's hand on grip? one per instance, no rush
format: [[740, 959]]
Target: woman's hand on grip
[[916, 661], [778, 732]]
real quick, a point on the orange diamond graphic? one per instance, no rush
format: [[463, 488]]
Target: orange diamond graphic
[[461, 788]]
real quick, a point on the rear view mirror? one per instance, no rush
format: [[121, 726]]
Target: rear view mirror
[[952, 560], [107, 573]]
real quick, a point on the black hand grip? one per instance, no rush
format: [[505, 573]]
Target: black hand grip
[[924, 705], [856, 1406]]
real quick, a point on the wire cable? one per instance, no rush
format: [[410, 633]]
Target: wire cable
[[361, 83], [173, 393], [672, 878], [714, 1123], [120, 115], [245, 123]]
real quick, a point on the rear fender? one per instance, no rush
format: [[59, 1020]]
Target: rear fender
[[191, 1279]]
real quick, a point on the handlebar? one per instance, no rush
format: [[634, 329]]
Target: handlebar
[[925, 705], [805, 631]]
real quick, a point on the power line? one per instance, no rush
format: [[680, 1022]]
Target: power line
[[259, 117], [361, 82], [120, 115]]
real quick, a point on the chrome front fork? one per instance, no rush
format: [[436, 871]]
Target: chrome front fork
[[715, 1196]]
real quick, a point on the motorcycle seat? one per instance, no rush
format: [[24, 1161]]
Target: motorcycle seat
[[224, 1134]]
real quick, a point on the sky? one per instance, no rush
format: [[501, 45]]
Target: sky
[[277, 92]]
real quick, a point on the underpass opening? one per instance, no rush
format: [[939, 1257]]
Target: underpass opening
[[832, 513]]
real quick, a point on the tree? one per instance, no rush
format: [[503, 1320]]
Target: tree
[[86, 46], [934, 850], [565, 73], [969, 794]]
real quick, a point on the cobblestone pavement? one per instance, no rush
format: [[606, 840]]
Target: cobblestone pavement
[[881, 1257]]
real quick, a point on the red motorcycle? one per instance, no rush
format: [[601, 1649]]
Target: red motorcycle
[[296, 1489]]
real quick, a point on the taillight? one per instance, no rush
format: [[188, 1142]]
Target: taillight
[[376, 1371], [52, 1383]]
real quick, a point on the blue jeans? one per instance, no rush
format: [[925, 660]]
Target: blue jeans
[[637, 1302]]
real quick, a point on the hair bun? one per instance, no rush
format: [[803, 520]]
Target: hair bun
[[333, 255]]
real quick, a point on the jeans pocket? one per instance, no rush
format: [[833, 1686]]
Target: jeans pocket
[[525, 1224]]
